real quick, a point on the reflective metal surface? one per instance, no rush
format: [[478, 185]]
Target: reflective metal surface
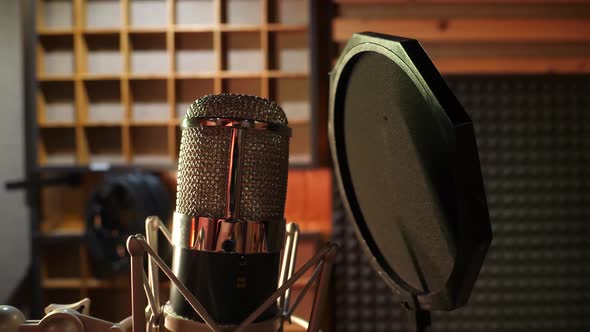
[[236, 123], [237, 106], [222, 235], [232, 167], [176, 323]]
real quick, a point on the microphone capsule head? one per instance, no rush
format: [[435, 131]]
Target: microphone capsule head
[[234, 158], [237, 106]]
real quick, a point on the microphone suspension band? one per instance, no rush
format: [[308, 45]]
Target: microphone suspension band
[[228, 236]]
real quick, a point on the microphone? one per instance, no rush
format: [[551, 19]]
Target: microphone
[[229, 226], [228, 233]]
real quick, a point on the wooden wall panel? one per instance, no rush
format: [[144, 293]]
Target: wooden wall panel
[[309, 199], [461, 1], [465, 36], [469, 30], [520, 65]]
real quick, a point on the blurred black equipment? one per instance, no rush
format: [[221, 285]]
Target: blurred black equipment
[[117, 209], [408, 172]]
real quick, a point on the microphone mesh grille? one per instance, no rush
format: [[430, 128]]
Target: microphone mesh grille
[[202, 171], [203, 164], [264, 180], [236, 106]]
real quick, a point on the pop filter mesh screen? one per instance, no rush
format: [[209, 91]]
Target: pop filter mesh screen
[[396, 142], [533, 135]]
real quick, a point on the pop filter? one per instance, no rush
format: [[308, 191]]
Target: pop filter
[[408, 171]]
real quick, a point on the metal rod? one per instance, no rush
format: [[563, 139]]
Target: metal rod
[[126, 323], [319, 301], [152, 224], [327, 250], [150, 296], [416, 319], [195, 304], [165, 231], [234, 180], [137, 297], [307, 286], [288, 266], [300, 321]]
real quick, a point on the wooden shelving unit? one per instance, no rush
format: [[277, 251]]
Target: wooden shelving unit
[[114, 79], [128, 69]]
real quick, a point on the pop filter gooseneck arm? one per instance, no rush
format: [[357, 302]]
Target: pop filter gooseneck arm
[[416, 319]]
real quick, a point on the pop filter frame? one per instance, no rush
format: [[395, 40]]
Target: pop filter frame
[[453, 185]]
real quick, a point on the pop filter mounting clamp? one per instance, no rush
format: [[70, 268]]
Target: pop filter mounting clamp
[[407, 169]]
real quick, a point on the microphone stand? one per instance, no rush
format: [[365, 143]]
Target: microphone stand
[[416, 319], [138, 246], [75, 317]]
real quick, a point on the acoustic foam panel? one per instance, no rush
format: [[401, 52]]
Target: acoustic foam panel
[[533, 134]]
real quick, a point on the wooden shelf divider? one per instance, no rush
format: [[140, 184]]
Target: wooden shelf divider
[[265, 87], [171, 82], [95, 44], [217, 46], [81, 97], [125, 90]]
